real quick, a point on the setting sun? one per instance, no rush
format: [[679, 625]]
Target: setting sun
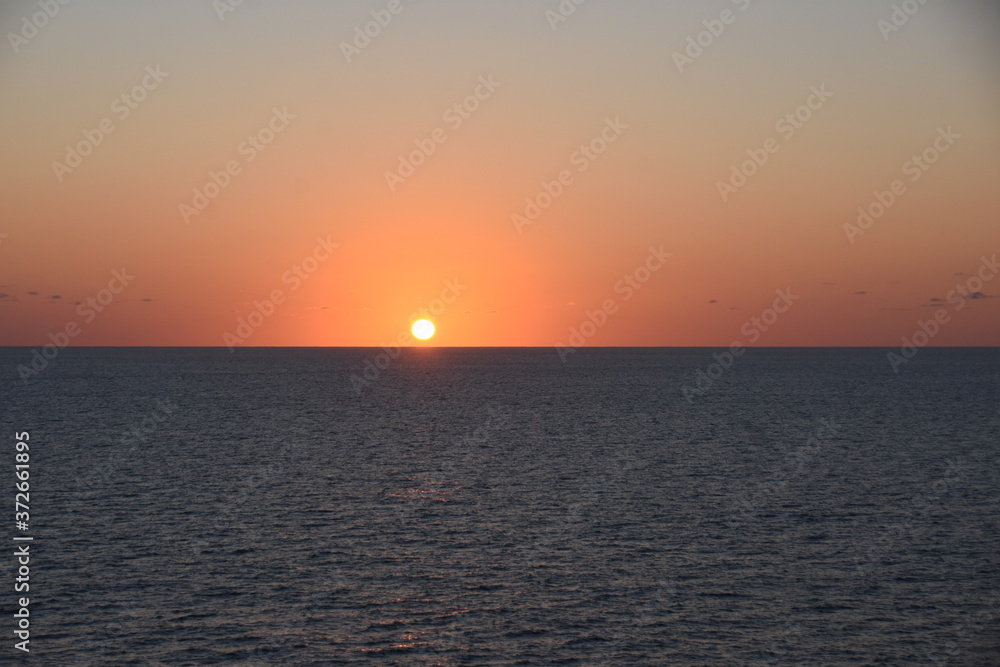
[[423, 329]]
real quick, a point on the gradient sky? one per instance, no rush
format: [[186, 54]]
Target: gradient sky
[[323, 175]]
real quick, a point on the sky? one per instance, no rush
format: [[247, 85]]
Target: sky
[[523, 173]]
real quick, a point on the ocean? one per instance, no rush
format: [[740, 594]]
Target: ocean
[[501, 507]]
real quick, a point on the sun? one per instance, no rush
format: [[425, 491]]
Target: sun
[[423, 329]]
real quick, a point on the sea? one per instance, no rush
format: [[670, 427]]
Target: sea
[[457, 506]]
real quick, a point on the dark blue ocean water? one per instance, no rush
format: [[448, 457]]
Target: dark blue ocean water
[[499, 507]]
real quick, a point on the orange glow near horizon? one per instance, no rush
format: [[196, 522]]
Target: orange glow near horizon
[[287, 197]]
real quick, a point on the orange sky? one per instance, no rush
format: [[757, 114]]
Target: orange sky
[[198, 88]]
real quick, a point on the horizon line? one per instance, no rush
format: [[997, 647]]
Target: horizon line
[[504, 347]]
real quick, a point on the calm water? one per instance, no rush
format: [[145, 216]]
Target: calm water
[[474, 507]]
